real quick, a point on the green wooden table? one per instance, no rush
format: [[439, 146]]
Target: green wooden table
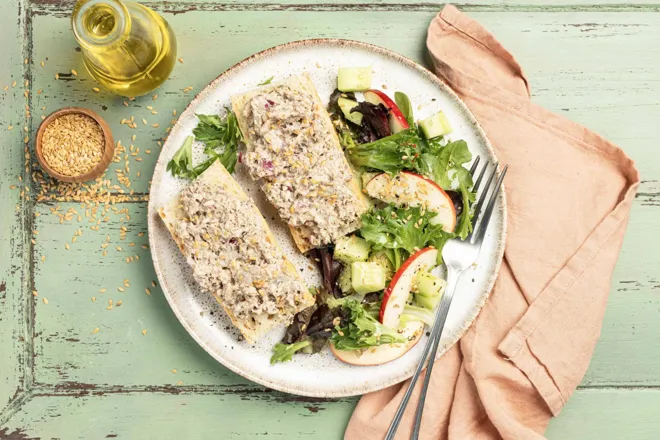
[[70, 368]]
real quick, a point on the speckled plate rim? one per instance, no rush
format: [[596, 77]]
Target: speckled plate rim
[[152, 218]]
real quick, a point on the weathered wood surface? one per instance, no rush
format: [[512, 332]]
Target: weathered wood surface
[[60, 379]]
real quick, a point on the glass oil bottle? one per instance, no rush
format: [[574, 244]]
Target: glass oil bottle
[[128, 48]]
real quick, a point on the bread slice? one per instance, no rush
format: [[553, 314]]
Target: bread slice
[[173, 212], [304, 84]]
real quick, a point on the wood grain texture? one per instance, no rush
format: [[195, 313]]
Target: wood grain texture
[[15, 314], [233, 414], [597, 68]]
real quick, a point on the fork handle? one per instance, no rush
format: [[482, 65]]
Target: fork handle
[[443, 310], [394, 425]]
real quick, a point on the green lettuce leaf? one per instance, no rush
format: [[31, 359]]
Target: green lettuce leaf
[[361, 330], [402, 229], [403, 102], [285, 352], [390, 154]]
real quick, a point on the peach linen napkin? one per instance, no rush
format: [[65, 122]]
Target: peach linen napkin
[[569, 194]]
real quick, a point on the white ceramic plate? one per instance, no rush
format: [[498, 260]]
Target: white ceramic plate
[[321, 375]]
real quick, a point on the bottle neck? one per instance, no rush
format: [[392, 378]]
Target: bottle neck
[[100, 23]]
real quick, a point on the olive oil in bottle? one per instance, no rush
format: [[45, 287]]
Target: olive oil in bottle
[[128, 48]]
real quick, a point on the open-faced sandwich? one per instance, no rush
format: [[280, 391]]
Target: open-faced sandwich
[[293, 149], [233, 254], [375, 223]]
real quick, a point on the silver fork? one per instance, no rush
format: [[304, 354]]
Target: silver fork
[[458, 255]]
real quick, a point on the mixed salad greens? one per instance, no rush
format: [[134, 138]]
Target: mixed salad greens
[[379, 289], [370, 273]]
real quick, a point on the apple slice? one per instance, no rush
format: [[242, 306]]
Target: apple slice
[[412, 189], [397, 120], [397, 293], [382, 353]]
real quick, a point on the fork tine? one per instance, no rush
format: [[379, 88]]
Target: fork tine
[[473, 168], [484, 194], [475, 187], [481, 233]]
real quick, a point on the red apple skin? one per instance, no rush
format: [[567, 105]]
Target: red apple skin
[[382, 353], [403, 270], [448, 203], [397, 120]]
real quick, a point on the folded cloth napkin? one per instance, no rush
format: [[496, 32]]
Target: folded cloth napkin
[[569, 194]]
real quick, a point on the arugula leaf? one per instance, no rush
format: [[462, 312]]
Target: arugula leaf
[[408, 229], [265, 82], [390, 154], [285, 352], [361, 330], [221, 137], [403, 102], [181, 162]]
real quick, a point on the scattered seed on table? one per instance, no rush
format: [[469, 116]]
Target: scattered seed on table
[[181, 60], [155, 97], [103, 290], [120, 302], [147, 290], [180, 383], [93, 299], [96, 89], [144, 331], [120, 289], [174, 371], [95, 331], [119, 248], [45, 300], [153, 284], [73, 72], [35, 293], [66, 246], [109, 308], [42, 64], [13, 84]]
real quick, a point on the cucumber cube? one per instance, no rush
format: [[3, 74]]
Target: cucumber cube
[[436, 125], [354, 79], [344, 281], [351, 248], [428, 289], [346, 105], [367, 277]]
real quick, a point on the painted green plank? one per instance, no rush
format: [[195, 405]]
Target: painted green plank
[[591, 414], [226, 415], [119, 354], [608, 414], [54, 6], [14, 275]]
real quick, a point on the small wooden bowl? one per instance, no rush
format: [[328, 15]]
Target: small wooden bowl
[[108, 151]]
